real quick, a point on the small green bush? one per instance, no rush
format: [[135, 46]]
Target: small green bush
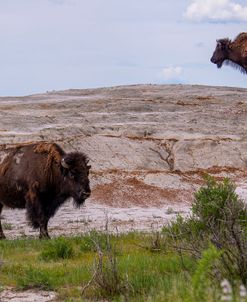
[[219, 217], [35, 278], [213, 202], [57, 249]]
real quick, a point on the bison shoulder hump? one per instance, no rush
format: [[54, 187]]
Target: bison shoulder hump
[[52, 150]]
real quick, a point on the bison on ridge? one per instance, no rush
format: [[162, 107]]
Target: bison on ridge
[[233, 53], [41, 177]]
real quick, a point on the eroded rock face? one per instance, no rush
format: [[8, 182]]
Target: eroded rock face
[[143, 127], [148, 144]]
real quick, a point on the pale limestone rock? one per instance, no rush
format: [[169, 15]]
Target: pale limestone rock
[[148, 146]]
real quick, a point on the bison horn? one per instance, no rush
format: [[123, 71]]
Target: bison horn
[[63, 163]]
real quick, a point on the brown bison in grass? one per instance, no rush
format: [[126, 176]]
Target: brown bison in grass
[[41, 177], [232, 53]]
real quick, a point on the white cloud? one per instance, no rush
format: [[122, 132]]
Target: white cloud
[[171, 73], [216, 10]]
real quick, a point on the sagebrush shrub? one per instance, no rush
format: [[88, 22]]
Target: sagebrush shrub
[[213, 202], [219, 217]]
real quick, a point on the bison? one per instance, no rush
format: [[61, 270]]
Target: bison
[[232, 53], [40, 178]]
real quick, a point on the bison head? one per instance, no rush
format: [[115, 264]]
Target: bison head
[[76, 170], [221, 52]]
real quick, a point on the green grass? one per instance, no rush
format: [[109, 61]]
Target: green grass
[[59, 248], [65, 265], [185, 262]]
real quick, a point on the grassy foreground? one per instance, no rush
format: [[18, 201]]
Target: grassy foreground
[[136, 270], [187, 261]]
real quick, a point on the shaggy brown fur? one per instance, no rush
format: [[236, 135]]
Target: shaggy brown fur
[[4, 166], [41, 177], [240, 43], [53, 153]]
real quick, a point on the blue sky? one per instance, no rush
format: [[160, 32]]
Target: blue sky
[[61, 44]]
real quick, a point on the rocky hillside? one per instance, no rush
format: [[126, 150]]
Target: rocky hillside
[[147, 143]]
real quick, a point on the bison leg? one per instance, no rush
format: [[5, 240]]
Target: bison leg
[[43, 230], [37, 218], [2, 236], [35, 212]]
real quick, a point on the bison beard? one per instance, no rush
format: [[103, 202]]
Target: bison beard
[[41, 177]]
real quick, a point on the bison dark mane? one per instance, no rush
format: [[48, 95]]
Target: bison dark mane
[[76, 159], [235, 66]]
